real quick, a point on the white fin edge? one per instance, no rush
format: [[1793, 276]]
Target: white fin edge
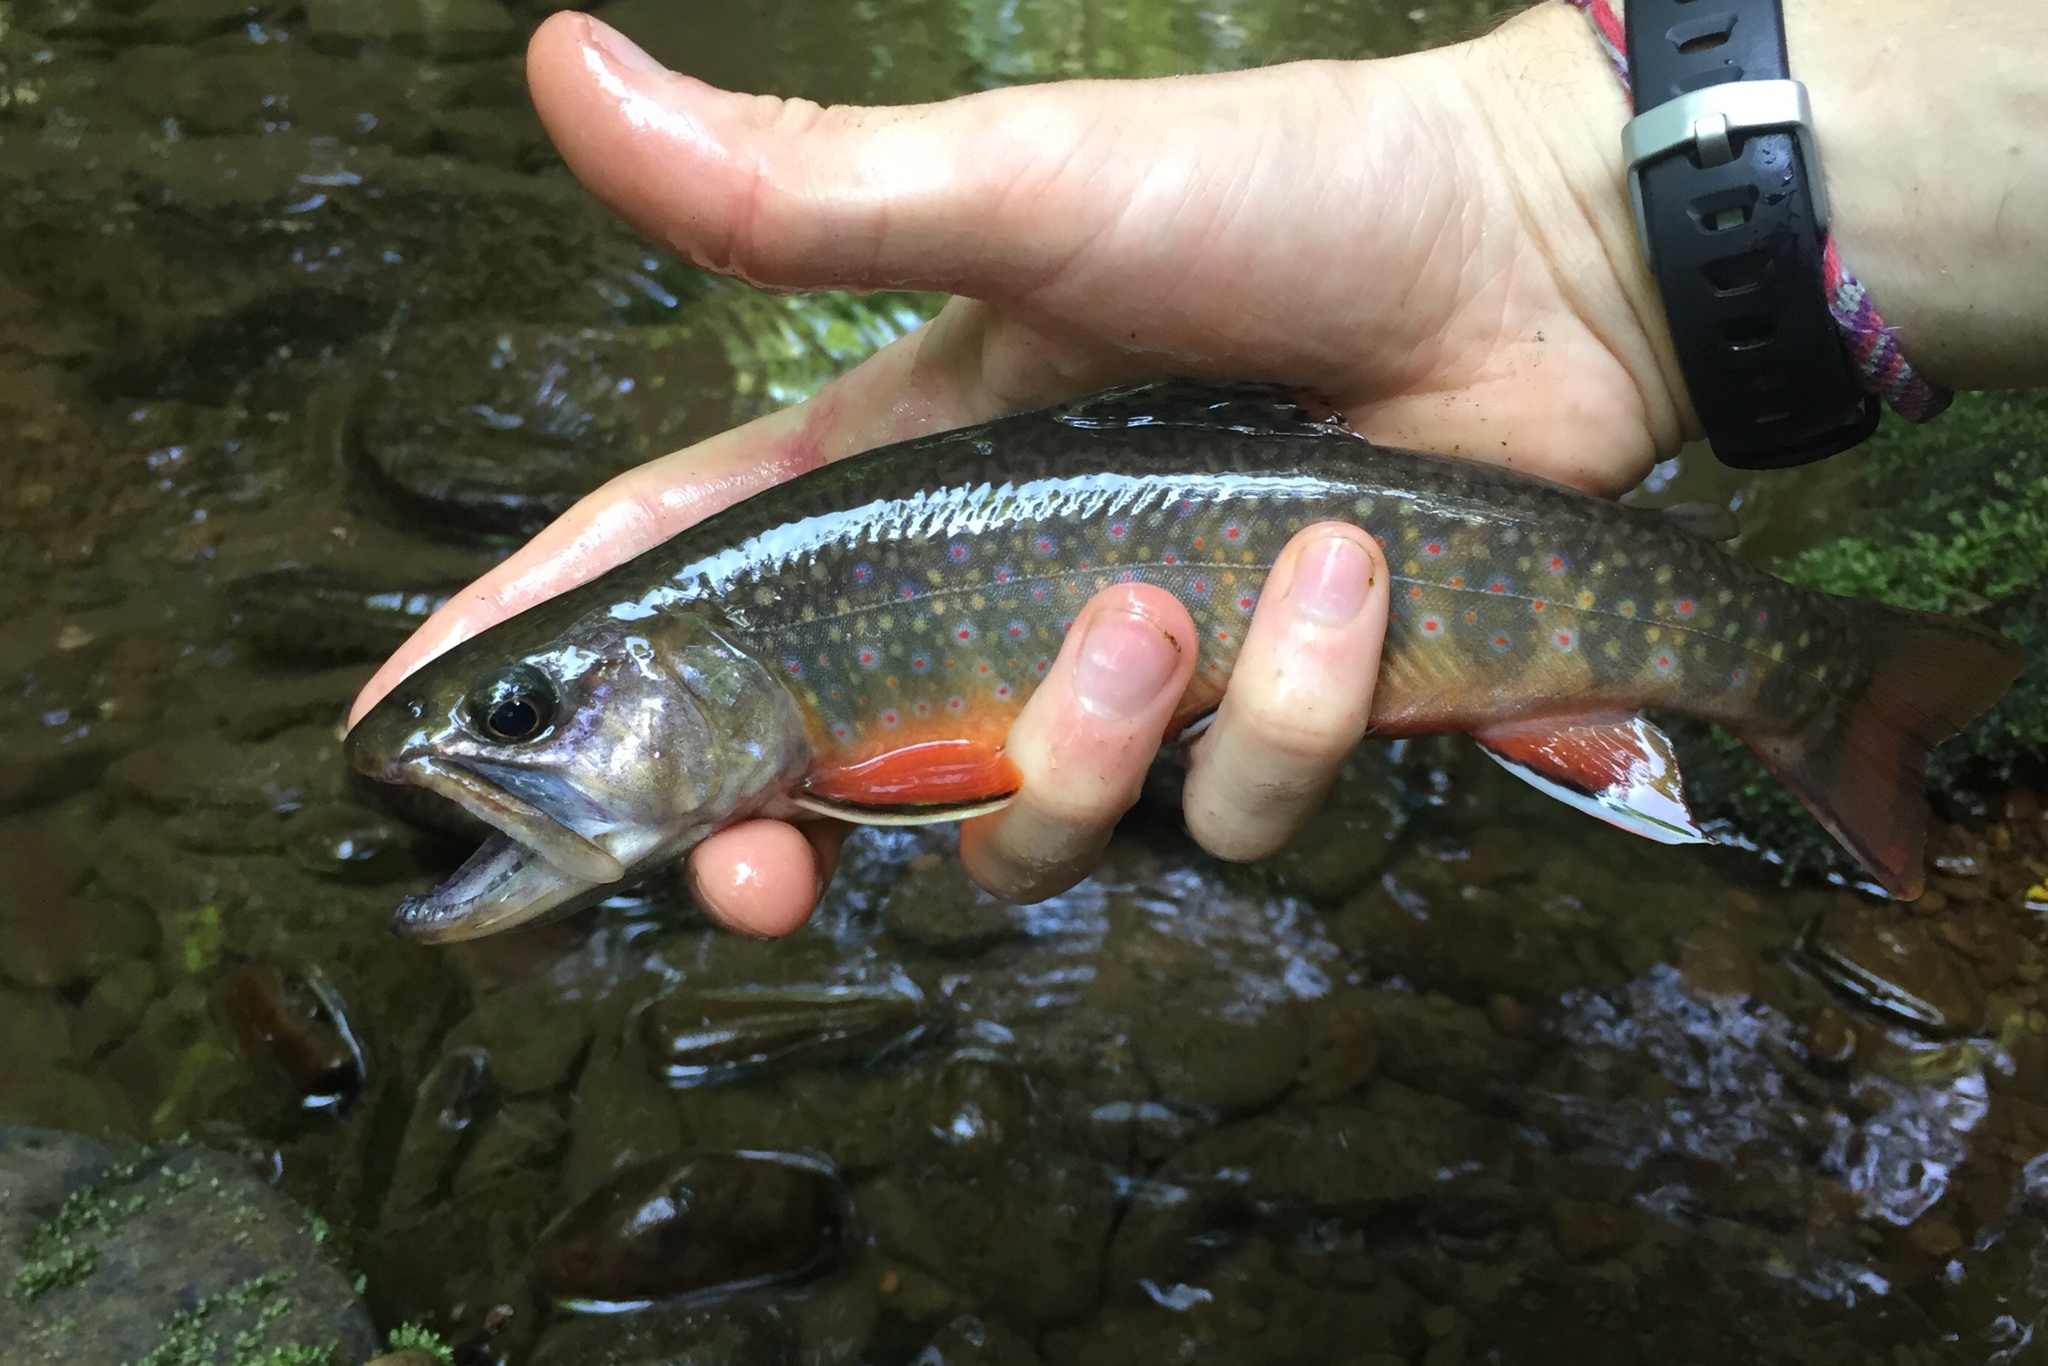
[[868, 815], [1637, 808]]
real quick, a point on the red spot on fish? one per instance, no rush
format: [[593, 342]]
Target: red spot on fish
[[982, 668], [1187, 505], [1500, 644], [1038, 594], [958, 552], [1537, 604], [1066, 625], [1200, 541], [1414, 592], [867, 659], [1170, 557], [1558, 564], [1565, 641], [1003, 690], [907, 592], [840, 732], [863, 572], [1043, 664], [1233, 532], [1222, 635], [1433, 548], [1045, 545], [1457, 580], [1246, 601], [1737, 674], [1684, 607], [889, 718], [1762, 616], [955, 703], [1004, 573], [1662, 664], [964, 631], [1017, 629], [1497, 586], [1471, 618], [1118, 530], [1432, 626], [920, 662], [923, 708], [795, 667], [1199, 586]]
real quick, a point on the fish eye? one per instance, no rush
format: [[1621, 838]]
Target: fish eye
[[514, 706]]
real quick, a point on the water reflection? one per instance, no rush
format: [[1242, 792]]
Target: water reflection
[[301, 325]]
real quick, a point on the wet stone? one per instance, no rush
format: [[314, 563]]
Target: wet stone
[[937, 907], [451, 31], [1352, 834], [668, 1338], [523, 1136], [282, 773], [1588, 1229], [53, 931], [293, 1026], [108, 1257], [715, 1035], [499, 431], [303, 615], [534, 1040], [1888, 961], [972, 1341], [978, 1102], [694, 1224], [349, 844], [447, 1105]]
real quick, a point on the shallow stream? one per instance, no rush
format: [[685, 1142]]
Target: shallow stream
[[302, 325]]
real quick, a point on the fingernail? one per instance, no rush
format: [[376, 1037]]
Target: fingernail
[[1331, 581], [622, 49], [1125, 661]]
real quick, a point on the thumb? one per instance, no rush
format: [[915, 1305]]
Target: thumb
[[786, 193]]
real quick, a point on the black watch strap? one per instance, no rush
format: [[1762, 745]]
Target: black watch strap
[[1730, 209]]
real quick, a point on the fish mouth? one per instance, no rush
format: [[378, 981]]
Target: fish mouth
[[503, 884], [535, 864]]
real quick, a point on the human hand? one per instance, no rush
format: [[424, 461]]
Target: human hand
[[1403, 237]]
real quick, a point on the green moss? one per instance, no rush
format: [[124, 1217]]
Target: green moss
[[1953, 517], [411, 1336]]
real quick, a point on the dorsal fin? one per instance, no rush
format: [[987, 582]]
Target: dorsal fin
[[1252, 409]]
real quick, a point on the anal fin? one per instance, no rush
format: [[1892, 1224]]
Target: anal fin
[[922, 783], [1619, 768]]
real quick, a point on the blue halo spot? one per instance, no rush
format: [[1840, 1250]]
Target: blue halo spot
[[958, 552]]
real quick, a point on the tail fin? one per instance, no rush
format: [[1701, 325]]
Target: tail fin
[[1860, 765]]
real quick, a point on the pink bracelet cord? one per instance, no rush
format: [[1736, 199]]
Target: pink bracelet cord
[[1872, 345]]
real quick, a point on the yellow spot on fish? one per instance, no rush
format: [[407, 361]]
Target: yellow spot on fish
[[1777, 649], [1626, 607], [1411, 568], [1654, 634], [1363, 507], [977, 603], [1585, 598], [1664, 575], [1612, 649], [764, 596]]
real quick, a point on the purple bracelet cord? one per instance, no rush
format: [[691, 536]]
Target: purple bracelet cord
[[1872, 345]]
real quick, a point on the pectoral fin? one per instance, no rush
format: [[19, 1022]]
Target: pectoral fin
[[919, 784], [1619, 768]]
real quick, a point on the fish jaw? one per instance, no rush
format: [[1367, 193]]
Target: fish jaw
[[662, 733]]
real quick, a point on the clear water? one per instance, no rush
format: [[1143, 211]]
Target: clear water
[[301, 325]]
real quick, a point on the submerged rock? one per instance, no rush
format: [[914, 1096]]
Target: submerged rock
[[694, 1337], [694, 1224], [499, 431], [1890, 961], [935, 906], [446, 1106], [348, 844], [292, 1024], [158, 1256], [714, 1035], [297, 614]]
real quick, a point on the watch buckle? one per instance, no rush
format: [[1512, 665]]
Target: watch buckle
[[1705, 122]]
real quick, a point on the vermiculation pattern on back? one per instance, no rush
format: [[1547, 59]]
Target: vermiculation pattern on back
[[927, 589]]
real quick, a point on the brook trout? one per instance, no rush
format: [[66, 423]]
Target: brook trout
[[857, 641]]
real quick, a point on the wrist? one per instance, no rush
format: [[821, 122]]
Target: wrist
[[1556, 110]]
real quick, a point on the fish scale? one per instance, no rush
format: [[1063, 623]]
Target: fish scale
[[859, 640]]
